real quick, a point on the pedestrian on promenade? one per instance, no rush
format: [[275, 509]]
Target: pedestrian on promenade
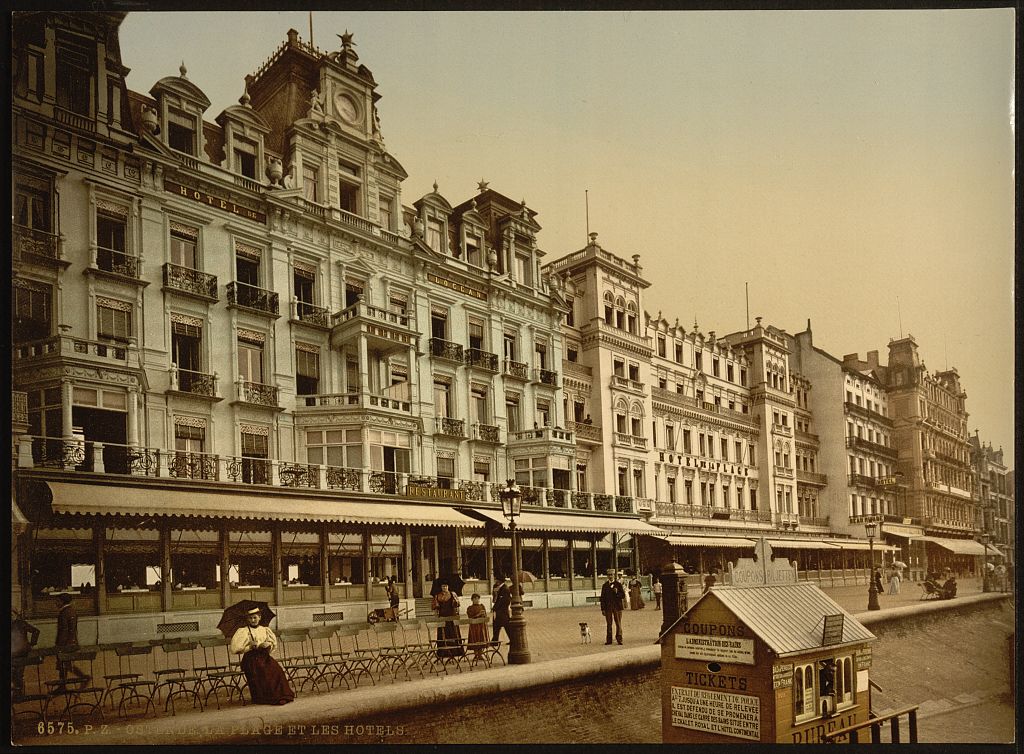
[[501, 603], [657, 593], [67, 636], [709, 580], [636, 599], [613, 597], [894, 581], [949, 588], [266, 680], [449, 637], [879, 586], [1001, 577], [23, 637], [477, 631]]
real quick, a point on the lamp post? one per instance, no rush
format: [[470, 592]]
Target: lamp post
[[985, 585], [871, 529], [511, 506]]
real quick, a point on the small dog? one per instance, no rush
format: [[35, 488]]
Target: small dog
[[584, 633]]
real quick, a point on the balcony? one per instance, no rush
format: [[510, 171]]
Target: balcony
[[310, 314], [194, 383], [385, 330], [516, 370], [19, 408], [549, 434], [859, 443], [783, 472], [811, 477], [482, 359], [586, 432], [361, 401], [629, 441], [443, 425], [117, 263], [576, 369], [445, 349], [782, 429], [66, 346], [486, 433], [676, 399], [545, 377], [245, 296], [256, 394], [625, 383], [859, 480], [787, 520], [866, 413], [190, 282], [29, 244]]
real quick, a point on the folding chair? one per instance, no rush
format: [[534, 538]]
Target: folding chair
[[482, 652], [215, 677], [133, 690], [297, 660], [31, 695], [174, 680], [390, 655], [79, 697], [357, 662], [329, 660]]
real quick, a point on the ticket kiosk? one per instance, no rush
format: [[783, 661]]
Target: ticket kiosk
[[764, 659]]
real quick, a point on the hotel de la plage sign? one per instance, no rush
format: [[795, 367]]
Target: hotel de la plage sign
[[216, 202]]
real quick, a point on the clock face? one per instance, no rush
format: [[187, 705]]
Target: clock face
[[346, 108]]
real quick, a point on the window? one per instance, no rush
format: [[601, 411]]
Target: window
[[188, 439], [698, 358], [753, 499], [634, 372], [247, 265], [638, 482], [661, 346], [311, 183], [679, 353], [473, 254], [541, 352], [532, 472], [32, 205], [544, 413], [245, 161], [186, 350], [714, 366], [111, 236], [348, 187], [76, 66], [620, 423], [255, 451], [442, 399], [738, 448], [476, 335], [572, 355], [619, 368], [670, 440], [304, 286], [634, 427], [570, 316], [435, 232], [384, 211], [478, 405], [844, 681], [688, 489], [183, 245], [113, 320], [334, 447], [439, 325], [725, 449], [686, 442], [662, 383], [445, 472], [804, 697], [31, 311], [743, 376], [510, 347], [623, 482], [307, 369], [700, 443], [512, 413], [523, 269], [353, 290], [728, 372], [671, 489], [181, 131], [250, 359]]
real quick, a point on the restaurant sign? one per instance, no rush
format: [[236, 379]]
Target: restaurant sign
[[215, 201], [434, 493]]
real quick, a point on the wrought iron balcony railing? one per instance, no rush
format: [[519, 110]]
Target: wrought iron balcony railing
[[117, 262], [450, 427], [251, 297], [312, 314], [486, 433], [547, 377], [187, 280], [257, 393], [871, 447], [483, 359], [197, 383], [35, 243], [445, 349], [516, 369]]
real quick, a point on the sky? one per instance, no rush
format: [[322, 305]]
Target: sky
[[854, 167]]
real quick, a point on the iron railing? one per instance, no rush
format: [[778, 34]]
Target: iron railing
[[117, 262], [187, 280], [251, 297]]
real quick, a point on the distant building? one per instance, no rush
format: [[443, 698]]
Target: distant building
[[995, 495]]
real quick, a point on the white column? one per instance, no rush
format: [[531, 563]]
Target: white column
[[66, 397], [133, 418]]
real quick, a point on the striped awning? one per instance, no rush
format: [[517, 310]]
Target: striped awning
[[801, 544], [680, 540], [136, 501], [540, 521], [958, 546], [853, 544]]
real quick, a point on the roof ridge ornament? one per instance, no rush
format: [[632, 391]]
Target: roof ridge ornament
[[182, 70]]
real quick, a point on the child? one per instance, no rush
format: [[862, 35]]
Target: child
[[477, 631]]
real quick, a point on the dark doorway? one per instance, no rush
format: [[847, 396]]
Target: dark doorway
[[107, 427]]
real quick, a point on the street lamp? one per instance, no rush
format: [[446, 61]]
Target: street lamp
[[985, 585], [871, 529], [512, 506]]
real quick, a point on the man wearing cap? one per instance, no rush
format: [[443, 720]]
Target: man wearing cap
[[267, 682], [612, 598], [67, 636]]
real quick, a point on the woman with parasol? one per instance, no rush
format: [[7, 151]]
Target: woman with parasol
[[255, 643], [449, 638]]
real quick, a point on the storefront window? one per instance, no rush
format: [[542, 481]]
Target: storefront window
[[249, 553], [474, 558], [533, 556], [502, 551], [558, 556], [386, 557], [131, 559], [300, 558], [195, 559], [345, 558], [63, 560]]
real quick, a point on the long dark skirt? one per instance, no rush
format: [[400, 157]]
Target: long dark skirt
[[267, 682], [449, 641]]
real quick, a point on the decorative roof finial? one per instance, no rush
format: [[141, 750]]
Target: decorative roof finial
[[183, 70], [482, 186], [244, 99], [435, 185], [472, 203], [346, 40]]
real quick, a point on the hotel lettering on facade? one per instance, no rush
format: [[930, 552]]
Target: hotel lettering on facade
[[243, 366]]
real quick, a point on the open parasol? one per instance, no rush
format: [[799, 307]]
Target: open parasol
[[898, 564], [525, 577], [454, 582], [236, 616]]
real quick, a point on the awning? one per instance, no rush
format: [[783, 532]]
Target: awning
[[958, 546], [137, 501], [800, 544], [680, 540], [854, 544], [537, 521]]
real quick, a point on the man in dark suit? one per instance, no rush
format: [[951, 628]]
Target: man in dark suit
[[501, 607], [613, 597], [67, 636]]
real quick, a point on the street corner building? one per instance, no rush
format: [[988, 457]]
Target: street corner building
[[245, 366]]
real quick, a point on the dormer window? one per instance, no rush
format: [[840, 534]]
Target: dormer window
[[181, 132], [76, 68], [245, 158], [435, 232], [523, 269], [473, 255]]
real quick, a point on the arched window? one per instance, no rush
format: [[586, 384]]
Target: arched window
[[620, 305], [609, 308], [804, 702], [631, 318]]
